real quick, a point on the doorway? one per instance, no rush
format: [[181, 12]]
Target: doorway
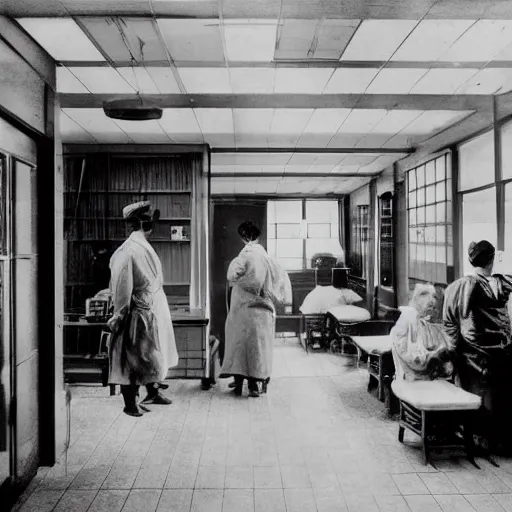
[[227, 216]]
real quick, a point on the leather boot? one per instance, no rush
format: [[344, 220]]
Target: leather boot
[[130, 401]]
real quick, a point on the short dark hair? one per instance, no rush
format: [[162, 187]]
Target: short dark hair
[[249, 231], [143, 221]]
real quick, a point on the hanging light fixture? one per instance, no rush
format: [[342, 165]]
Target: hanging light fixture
[[131, 110]]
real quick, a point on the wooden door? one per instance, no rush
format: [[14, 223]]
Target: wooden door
[[226, 246]]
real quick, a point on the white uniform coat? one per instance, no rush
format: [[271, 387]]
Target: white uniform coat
[[142, 347]]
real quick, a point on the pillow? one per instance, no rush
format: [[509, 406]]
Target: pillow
[[350, 314], [322, 298]]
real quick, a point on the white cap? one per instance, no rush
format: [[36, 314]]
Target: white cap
[[135, 208]]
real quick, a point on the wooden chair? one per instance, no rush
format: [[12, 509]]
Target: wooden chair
[[435, 411]]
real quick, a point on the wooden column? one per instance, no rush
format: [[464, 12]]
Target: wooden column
[[370, 276]]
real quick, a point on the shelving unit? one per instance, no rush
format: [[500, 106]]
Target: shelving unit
[[97, 188], [99, 182]]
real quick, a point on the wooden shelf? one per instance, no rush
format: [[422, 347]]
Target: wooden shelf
[[131, 192], [165, 219]]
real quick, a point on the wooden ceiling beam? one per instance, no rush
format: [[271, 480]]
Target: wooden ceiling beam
[[300, 64], [323, 151], [310, 175], [466, 102]]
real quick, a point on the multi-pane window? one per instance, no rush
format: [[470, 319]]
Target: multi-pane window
[[360, 240], [386, 239], [297, 230], [430, 221]]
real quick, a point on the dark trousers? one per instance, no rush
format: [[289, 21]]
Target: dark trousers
[[131, 392], [252, 383]]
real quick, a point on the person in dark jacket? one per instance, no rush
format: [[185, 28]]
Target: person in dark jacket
[[477, 322]]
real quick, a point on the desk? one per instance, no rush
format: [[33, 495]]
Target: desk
[[380, 360], [84, 363]]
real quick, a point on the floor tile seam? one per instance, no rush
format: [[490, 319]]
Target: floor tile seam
[[103, 437]]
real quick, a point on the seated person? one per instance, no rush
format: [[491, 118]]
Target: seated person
[[421, 350]]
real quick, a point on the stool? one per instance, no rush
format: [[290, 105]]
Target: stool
[[380, 360], [427, 407]]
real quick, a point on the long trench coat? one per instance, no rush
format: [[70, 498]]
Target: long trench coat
[[258, 283], [143, 347]]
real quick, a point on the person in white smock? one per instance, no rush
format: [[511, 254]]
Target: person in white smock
[[143, 347]]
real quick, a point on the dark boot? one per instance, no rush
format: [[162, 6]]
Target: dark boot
[[130, 401], [154, 396], [254, 391], [264, 385], [239, 384]]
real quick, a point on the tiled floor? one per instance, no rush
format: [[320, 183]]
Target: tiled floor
[[317, 442]]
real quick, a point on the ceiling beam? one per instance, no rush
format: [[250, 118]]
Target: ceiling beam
[[265, 9], [367, 101], [302, 64], [323, 151], [310, 175]]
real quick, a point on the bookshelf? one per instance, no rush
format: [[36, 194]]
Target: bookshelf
[[97, 188], [99, 181]]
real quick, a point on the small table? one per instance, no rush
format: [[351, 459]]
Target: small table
[[380, 360]]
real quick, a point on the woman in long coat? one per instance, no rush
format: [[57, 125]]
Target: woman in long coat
[[258, 283], [143, 347]]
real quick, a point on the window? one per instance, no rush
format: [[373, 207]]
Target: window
[[430, 221], [299, 229], [386, 239], [476, 162], [360, 235]]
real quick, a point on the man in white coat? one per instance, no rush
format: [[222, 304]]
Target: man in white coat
[[143, 347]]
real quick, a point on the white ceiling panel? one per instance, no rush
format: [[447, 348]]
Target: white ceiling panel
[[295, 39], [362, 121], [126, 39], [442, 81], [62, 38], [144, 132], [205, 80], [303, 169], [345, 140], [193, 39], [164, 80], [358, 160], [290, 120], [395, 81], [140, 79], [176, 121], [430, 39], [483, 41], [69, 83], [329, 159], [302, 159], [301, 80], [378, 39], [488, 81], [102, 128], [326, 120], [314, 140], [250, 40], [350, 80], [253, 120], [283, 140], [374, 140], [395, 121], [320, 168], [71, 132], [220, 159], [262, 158], [433, 121], [103, 80], [220, 186], [267, 186], [332, 38], [215, 120], [252, 80], [251, 140], [345, 169], [219, 139]]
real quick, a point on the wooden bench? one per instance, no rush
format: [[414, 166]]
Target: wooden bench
[[435, 411], [380, 361]]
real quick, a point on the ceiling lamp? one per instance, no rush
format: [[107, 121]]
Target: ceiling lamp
[[131, 110]]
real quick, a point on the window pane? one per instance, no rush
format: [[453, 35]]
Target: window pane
[[431, 194], [316, 245], [441, 168], [412, 200], [421, 197], [421, 216], [430, 235], [288, 212], [271, 247], [271, 231], [430, 214], [321, 211], [507, 256], [271, 212], [412, 218], [288, 231], [430, 172], [441, 191], [478, 220], [411, 178], [319, 231], [476, 162], [421, 176], [291, 263], [441, 235], [441, 212], [413, 235], [289, 248]]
